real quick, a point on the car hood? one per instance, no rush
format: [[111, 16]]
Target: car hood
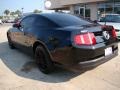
[[115, 25]]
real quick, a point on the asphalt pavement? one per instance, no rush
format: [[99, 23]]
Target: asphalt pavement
[[19, 72]]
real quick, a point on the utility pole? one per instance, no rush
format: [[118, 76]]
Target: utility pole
[[22, 10], [113, 6]]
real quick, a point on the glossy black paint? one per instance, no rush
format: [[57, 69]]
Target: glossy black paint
[[52, 32]]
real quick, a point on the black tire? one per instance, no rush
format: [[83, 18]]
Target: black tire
[[10, 43], [43, 60]]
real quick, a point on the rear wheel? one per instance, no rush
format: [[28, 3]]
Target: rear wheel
[[43, 60]]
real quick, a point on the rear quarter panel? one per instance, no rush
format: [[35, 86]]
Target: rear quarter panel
[[53, 38]]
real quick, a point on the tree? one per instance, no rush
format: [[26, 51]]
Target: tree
[[12, 13], [6, 12], [18, 12], [37, 11]]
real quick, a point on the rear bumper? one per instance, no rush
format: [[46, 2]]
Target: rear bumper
[[83, 57], [97, 61]]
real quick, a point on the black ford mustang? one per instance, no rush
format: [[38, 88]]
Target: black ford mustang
[[63, 39]]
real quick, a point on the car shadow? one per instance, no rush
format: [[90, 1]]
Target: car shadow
[[24, 66]]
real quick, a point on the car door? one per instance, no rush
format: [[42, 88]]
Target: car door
[[24, 36]]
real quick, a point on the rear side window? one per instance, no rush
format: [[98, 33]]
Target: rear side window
[[44, 22]]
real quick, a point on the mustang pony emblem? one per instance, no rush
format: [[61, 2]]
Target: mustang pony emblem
[[106, 35]]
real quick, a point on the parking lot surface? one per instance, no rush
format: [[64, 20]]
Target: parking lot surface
[[19, 72]]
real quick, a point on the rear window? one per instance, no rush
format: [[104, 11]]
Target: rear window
[[67, 20]]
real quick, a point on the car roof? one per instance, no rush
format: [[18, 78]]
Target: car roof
[[46, 15], [112, 14], [109, 14], [55, 13]]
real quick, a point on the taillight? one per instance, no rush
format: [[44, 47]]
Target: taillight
[[114, 33], [85, 39]]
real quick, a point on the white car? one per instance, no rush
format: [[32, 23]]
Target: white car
[[0, 21], [10, 21], [113, 20]]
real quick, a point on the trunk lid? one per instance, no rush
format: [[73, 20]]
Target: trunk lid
[[103, 34]]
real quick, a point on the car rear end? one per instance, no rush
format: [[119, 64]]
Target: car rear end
[[95, 45], [82, 43]]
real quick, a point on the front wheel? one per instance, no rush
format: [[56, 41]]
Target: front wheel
[[43, 60], [10, 43]]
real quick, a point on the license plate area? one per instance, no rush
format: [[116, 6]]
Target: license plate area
[[108, 51]]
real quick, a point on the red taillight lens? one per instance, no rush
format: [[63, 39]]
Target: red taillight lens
[[114, 33], [85, 39]]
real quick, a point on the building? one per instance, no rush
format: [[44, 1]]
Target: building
[[91, 9]]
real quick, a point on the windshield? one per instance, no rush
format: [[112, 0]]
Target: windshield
[[110, 18], [67, 20]]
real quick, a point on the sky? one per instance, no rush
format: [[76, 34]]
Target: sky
[[28, 5]]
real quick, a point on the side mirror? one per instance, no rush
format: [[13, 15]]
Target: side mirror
[[16, 25]]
